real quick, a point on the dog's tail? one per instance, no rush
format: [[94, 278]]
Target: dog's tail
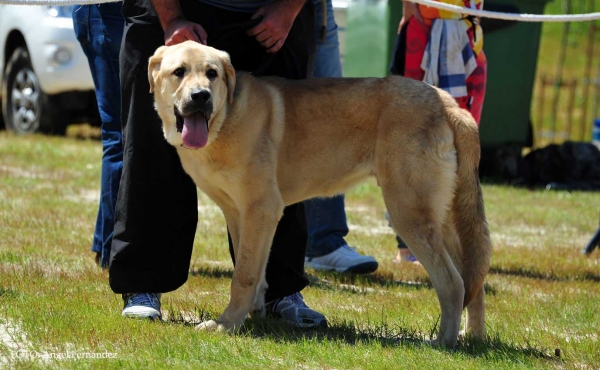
[[467, 207]]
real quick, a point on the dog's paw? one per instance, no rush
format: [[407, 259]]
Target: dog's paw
[[212, 325], [258, 313], [433, 342], [438, 343], [471, 335]]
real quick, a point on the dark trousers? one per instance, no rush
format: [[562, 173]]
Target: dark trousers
[[156, 214]]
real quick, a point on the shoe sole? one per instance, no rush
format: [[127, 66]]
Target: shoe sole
[[142, 316], [149, 318], [321, 324], [361, 268], [303, 325]]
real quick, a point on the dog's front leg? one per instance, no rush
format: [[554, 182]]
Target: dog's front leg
[[232, 219], [257, 227], [233, 225]]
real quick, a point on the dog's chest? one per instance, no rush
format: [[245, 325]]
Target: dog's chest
[[210, 176]]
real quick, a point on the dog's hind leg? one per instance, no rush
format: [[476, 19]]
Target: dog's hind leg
[[418, 191], [423, 237], [475, 326]]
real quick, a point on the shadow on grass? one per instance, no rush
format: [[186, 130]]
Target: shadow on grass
[[337, 281], [381, 334], [361, 283], [8, 293], [354, 282], [212, 272], [348, 332], [331, 281], [545, 275]]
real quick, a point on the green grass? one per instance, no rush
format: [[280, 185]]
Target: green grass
[[542, 294]]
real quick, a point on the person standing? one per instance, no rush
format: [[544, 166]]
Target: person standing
[[156, 214]]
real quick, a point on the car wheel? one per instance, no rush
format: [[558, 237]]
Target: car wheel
[[25, 107]]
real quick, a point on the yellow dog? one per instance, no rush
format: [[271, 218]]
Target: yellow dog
[[255, 145]]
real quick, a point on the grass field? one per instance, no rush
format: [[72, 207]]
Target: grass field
[[543, 297]]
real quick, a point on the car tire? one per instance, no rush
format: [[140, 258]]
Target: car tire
[[26, 108]]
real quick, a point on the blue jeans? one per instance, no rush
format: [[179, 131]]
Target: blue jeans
[[326, 217], [99, 29]]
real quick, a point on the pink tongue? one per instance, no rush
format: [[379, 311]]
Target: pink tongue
[[195, 131]]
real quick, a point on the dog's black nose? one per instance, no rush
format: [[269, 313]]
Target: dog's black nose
[[200, 95]]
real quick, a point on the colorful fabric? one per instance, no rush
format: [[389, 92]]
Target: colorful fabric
[[417, 36], [448, 59], [429, 14]]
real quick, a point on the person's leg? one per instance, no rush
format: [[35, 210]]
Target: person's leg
[[327, 249], [326, 217], [99, 29], [112, 139], [156, 213], [326, 225], [294, 60], [81, 25]]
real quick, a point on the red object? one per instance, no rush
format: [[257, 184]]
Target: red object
[[417, 35]]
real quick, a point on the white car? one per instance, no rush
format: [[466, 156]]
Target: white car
[[44, 75]]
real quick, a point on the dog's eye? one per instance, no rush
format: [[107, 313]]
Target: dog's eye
[[179, 72], [211, 73]]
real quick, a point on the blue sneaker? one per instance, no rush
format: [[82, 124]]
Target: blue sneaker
[[293, 310], [142, 305]]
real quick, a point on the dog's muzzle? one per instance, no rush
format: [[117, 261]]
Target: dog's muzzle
[[193, 128]]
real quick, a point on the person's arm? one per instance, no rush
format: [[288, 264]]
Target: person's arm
[[277, 20], [409, 10], [177, 28]]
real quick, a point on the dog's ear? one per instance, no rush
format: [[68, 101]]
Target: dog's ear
[[154, 66], [229, 75]]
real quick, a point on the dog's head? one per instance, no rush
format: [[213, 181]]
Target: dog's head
[[192, 83]]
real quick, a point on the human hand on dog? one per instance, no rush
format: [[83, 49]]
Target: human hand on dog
[[180, 30], [276, 23], [177, 28]]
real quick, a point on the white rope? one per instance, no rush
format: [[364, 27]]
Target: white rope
[[434, 4], [509, 16]]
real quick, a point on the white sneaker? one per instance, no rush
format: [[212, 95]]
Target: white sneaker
[[142, 305], [343, 259]]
